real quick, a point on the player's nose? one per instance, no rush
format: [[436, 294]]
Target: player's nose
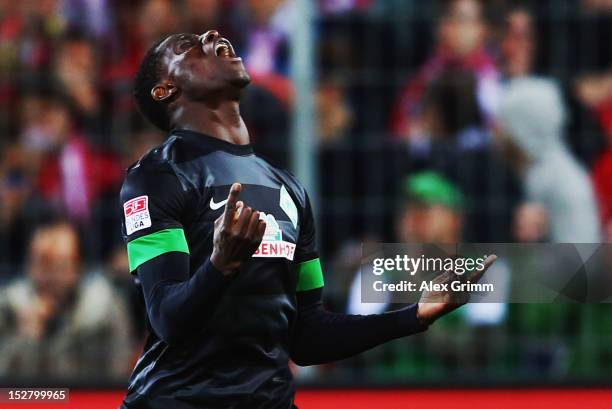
[[209, 37]]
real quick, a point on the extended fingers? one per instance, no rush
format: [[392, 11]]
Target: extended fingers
[[252, 226], [489, 261], [261, 230], [232, 200], [242, 224], [445, 277], [477, 274]]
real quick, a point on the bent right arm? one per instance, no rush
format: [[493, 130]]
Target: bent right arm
[[173, 300]]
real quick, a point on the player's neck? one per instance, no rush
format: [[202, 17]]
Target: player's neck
[[222, 121]]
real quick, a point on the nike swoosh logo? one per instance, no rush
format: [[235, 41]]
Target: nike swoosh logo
[[215, 206]]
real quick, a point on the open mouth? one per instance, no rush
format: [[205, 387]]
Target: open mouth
[[224, 49]]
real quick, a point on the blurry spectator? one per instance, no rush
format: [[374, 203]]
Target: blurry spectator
[[56, 321], [266, 45], [530, 223], [460, 45], [431, 210], [346, 265], [76, 67], [203, 15], [343, 6], [270, 23], [28, 30], [433, 213], [518, 43], [461, 149], [20, 164], [128, 287], [595, 92], [334, 114], [552, 176], [127, 48], [451, 111], [157, 19], [589, 111], [40, 24], [15, 186], [602, 180], [46, 121], [89, 16], [11, 26], [71, 173], [17, 207]]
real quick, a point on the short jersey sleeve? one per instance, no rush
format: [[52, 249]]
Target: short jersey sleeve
[[310, 274], [152, 202]]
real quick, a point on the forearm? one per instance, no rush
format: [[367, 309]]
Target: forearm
[[322, 336], [176, 301]]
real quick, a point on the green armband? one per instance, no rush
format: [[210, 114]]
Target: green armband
[[155, 244], [310, 275]]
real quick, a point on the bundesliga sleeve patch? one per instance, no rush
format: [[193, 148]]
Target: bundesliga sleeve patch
[[137, 216]]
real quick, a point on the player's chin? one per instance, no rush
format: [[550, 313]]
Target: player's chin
[[241, 79]]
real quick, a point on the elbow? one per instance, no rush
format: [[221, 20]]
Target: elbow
[[169, 336], [297, 357], [302, 359], [166, 327]]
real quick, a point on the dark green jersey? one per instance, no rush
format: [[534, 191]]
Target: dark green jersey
[[237, 354]]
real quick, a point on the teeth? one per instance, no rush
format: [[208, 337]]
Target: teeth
[[222, 48]]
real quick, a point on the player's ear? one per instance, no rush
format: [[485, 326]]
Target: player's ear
[[164, 91]]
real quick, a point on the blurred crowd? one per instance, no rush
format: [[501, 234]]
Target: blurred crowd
[[437, 122]]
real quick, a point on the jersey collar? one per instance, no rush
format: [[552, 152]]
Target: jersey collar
[[213, 143]]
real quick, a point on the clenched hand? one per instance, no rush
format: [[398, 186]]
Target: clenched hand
[[238, 233]]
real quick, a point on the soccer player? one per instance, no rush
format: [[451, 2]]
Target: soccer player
[[223, 244]]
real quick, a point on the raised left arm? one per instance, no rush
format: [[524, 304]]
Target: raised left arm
[[323, 336]]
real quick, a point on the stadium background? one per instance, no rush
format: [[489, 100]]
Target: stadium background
[[381, 107]]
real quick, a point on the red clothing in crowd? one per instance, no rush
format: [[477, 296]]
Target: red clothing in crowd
[[76, 175], [408, 105], [602, 181]]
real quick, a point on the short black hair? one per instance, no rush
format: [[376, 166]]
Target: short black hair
[[453, 95], [147, 76]]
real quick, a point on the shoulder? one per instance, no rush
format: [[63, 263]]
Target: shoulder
[[153, 172], [292, 184], [157, 160], [16, 294]]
